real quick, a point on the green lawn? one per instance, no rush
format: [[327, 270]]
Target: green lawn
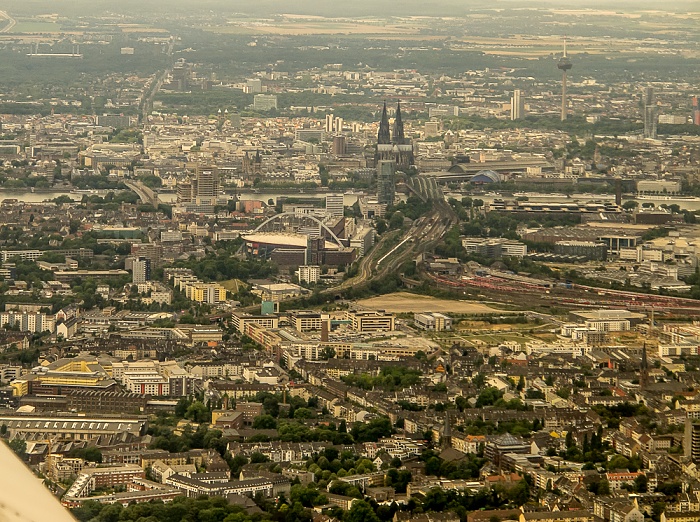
[[36, 27]]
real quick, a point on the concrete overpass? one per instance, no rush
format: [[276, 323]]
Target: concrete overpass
[[11, 22], [425, 187], [146, 194]]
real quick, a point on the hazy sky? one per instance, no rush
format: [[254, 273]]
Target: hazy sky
[[330, 7]]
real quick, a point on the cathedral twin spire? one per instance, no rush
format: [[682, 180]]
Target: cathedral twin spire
[[383, 136]]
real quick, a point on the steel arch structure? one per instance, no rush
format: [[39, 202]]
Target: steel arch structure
[[291, 218]]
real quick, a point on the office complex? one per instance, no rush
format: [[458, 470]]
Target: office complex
[[201, 193], [264, 102], [335, 204]]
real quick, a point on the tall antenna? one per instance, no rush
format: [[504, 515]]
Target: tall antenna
[[564, 65]]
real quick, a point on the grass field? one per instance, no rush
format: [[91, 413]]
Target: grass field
[[36, 27], [403, 302], [233, 285]]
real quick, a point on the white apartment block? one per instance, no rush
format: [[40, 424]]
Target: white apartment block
[[433, 321], [34, 322], [610, 325], [309, 273]]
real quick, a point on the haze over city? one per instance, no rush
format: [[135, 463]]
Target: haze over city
[[350, 262]]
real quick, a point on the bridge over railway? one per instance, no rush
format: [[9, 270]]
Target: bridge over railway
[[425, 187]]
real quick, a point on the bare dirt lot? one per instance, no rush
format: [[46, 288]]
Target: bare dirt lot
[[403, 302]]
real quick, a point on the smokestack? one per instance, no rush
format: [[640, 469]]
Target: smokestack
[[618, 192]]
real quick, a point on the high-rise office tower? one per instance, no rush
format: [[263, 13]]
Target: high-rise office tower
[[205, 186], [696, 110], [386, 188], [182, 74], [564, 66], [650, 120], [517, 105], [339, 147], [335, 205], [328, 126], [140, 270], [314, 249]]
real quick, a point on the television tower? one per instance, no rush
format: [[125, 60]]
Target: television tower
[[564, 65]]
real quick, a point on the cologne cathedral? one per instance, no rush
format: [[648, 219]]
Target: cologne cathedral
[[394, 145]]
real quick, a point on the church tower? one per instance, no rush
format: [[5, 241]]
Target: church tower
[[246, 164], [392, 144], [383, 137], [447, 432], [257, 163], [403, 149], [399, 138]]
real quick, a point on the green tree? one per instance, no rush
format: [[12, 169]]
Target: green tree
[[257, 458], [520, 493], [90, 453], [361, 511], [19, 447], [328, 352], [303, 413], [265, 422], [198, 412], [396, 221], [641, 484]]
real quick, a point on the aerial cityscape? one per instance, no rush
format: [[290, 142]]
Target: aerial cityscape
[[365, 262]]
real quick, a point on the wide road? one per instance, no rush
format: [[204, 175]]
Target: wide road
[[158, 79], [11, 22]]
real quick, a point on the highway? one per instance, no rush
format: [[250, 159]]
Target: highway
[[158, 80], [11, 22]]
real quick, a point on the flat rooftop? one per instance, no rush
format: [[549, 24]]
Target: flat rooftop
[[291, 240], [608, 315]]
